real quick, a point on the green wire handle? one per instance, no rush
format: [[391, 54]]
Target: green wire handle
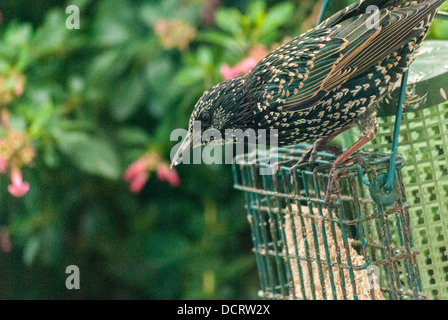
[[393, 157]]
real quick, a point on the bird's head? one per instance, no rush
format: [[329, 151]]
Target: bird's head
[[221, 107]]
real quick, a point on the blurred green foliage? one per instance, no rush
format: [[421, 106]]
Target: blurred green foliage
[[95, 100]]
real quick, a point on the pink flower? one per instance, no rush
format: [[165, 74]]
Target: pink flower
[[164, 173], [18, 188], [3, 165], [139, 171], [136, 168], [247, 64], [137, 174], [243, 67], [227, 72], [138, 181]]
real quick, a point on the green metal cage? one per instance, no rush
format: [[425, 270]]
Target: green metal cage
[[362, 248], [424, 144]]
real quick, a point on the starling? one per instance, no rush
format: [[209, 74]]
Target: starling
[[323, 82]]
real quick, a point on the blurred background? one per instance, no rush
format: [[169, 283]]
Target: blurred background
[[86, 116]]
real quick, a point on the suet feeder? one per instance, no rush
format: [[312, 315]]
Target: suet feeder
[[360, 248]]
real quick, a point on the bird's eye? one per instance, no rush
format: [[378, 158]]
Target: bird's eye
[[205, 117]]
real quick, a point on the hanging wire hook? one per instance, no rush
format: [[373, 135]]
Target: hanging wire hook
[[393, 157]]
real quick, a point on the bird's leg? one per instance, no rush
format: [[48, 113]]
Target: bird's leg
[[368, 126], [321, 145], [332, 188]]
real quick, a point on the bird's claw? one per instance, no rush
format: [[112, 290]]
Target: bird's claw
[[308, 157], [331, 149], [333, 184], [331, 189], [311, 155]]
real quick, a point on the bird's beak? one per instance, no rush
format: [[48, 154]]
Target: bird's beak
[[186, 144]]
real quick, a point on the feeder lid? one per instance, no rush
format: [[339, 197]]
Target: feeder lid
[[428, 80]]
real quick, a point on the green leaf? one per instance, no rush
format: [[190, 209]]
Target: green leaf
[[205, 55], [80, 3], [256, 10], [51, 157], [159, 72], [71, 125], [133, 136], [229, 20], [220, 39], [51, 37], [40, 119], [17, 122], [127, 97], [107, 65], [268, 38], [189, 75], [149, 14], [18, 35], [91, 154], [237, 47], [440, 29], [31, 250], [276, 17], [115, 23]]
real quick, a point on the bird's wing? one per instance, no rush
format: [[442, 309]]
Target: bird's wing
[[303, 71]]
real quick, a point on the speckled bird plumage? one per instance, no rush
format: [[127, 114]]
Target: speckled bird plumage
[[329, 78]]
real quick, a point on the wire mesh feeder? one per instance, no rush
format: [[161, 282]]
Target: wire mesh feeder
[[359, 249], [424, 144]]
